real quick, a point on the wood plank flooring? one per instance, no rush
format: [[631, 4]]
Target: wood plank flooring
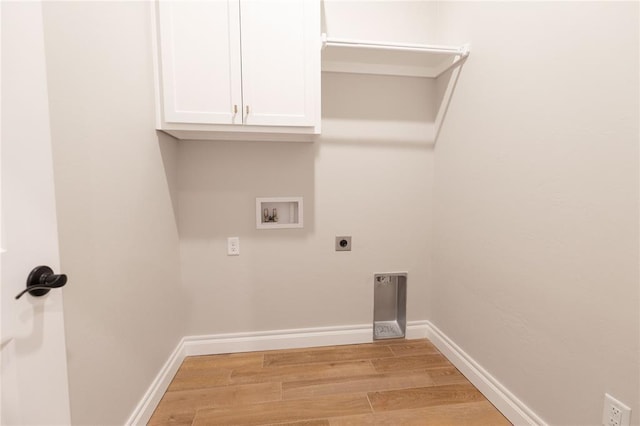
[[392, 382]]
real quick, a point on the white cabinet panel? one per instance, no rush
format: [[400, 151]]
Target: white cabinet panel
[[200, 48], [277, 64]]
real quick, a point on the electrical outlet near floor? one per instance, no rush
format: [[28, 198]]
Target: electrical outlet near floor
[[615, 413]]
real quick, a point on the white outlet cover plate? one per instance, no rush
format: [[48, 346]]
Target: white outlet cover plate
[[613, 418], [233, 246]]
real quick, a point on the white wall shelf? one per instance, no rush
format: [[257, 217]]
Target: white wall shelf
[[279, 212], [377, 57]]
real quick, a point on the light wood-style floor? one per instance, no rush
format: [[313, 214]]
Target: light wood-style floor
[[393, 382]]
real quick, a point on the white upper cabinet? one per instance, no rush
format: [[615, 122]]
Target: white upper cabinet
[[276, 36], [239, 69], [200, 57]]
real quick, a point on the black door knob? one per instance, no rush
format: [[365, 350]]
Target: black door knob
[[42, 279]]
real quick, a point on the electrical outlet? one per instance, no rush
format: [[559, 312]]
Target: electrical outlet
[[615, 413], [343, 243], [233, 246]]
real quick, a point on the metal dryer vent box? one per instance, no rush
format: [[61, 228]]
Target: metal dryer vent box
[[389, 306]]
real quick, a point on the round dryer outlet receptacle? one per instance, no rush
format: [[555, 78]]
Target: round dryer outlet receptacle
[[343, 243]]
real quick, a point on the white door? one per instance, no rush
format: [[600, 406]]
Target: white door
[[33, 379]]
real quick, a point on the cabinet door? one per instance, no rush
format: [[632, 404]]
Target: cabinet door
[[200, 61], [280, 62]]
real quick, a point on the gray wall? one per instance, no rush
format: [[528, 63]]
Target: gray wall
[[376, 190], [124, 307], [536, 195], [368, 176]]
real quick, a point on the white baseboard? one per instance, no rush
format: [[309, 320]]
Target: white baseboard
[[290, 339], [516, 411], [505, 401], [275, 339], [152, 397]]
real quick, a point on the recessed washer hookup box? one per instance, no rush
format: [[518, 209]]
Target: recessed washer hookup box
[[389, 306]]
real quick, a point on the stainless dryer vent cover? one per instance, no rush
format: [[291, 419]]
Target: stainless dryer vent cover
[[389, 306]]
